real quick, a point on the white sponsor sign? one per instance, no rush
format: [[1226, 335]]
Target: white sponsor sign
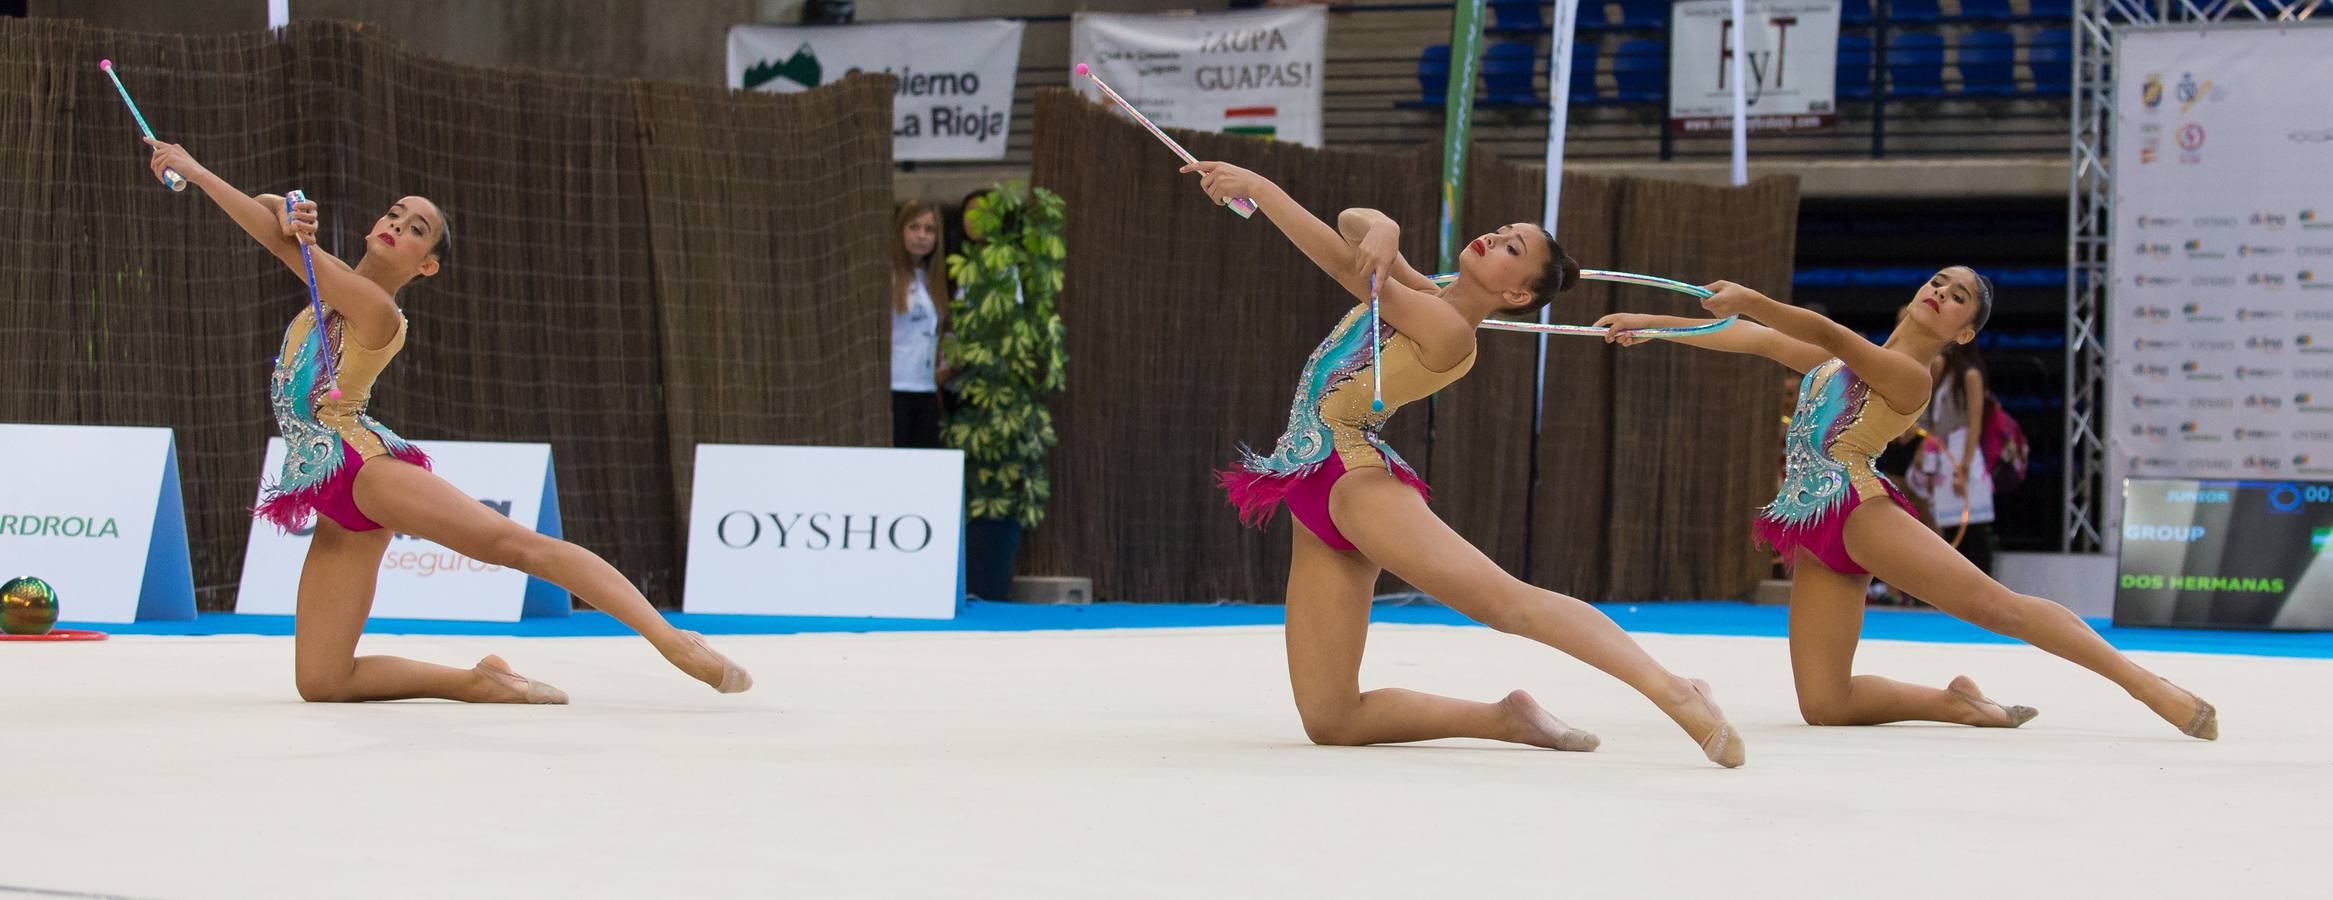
[[420, 579], [96, 512], [1255, 73], [825, 531], [2220, 299], [955, 94], [1790, 53]]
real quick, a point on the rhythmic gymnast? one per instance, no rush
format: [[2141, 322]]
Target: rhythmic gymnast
[[1359, 507], [364, 483], [1855, 397]]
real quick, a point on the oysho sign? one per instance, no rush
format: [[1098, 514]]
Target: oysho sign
[[825, 531], [97, 513], [955, 94], [420, 579]]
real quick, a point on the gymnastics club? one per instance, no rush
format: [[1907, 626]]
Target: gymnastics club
[[1242, 205], [315, 301], [1376, 371], [169, 175]]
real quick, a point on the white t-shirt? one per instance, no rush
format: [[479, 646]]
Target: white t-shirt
[[915, 342], [1931, 475]]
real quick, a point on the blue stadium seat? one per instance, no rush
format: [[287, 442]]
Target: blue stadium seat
[[1854, 12], [1648, 13], [1913, 12], [1506, 74], [2032, 277], [1584, 89], [1915, 65], [1592, 16], [1641, 70], [1433, 77], [1820, 278], [1854, 77], [1892, 276], [2051, 57], [2051, 10], [1985, 11], [1988, 64], [1521, 16]]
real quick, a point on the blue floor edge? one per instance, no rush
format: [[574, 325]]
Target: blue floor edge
[[1702, 618]]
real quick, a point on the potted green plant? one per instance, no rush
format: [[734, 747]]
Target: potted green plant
[[1005, 343]]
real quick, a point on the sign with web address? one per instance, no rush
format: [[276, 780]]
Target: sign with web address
[[1790, 60]]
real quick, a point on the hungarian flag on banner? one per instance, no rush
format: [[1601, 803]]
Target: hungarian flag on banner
[[1253, 121]]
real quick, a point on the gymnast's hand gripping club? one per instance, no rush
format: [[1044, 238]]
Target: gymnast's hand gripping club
[[292, 201], [1242, 205], [169, 176]]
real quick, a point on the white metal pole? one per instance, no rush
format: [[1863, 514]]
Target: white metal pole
[[1559, 97], [1741, 97]]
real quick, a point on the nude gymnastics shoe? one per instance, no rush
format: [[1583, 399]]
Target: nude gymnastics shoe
[[734, 678], [2018, 715], [2206, 724], [1724, 745]]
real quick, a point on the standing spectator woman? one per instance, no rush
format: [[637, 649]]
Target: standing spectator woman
[[916, 323], [1959, 480]]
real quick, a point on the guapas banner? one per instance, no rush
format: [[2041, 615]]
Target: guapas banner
[[955, 94], [1254, 73]]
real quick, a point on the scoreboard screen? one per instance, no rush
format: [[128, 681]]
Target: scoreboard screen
[[2225, 554]]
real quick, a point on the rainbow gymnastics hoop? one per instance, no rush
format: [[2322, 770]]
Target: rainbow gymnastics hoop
[[1695, 291]]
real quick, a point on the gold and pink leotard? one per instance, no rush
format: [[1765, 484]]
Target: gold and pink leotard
[[327, 439], [1836, 434], [1331, 427]]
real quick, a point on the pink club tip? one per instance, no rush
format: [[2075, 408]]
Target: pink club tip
[[335, 393], [107, 64], [1081, 68]]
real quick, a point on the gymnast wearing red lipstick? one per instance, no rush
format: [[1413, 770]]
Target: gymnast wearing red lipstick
[[1359, 508], [361, 482]]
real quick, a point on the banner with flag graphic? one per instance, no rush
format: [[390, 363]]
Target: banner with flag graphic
[[1254, 73], [1253, 121]]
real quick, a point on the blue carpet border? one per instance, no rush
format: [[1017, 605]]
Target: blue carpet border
[[1705, 618]]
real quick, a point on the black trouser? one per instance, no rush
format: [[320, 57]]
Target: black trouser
[[915, 419], [1976, 545]]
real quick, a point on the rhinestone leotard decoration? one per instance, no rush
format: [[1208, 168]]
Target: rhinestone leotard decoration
[[1322, 420], [1837, 431], [315, 427]]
